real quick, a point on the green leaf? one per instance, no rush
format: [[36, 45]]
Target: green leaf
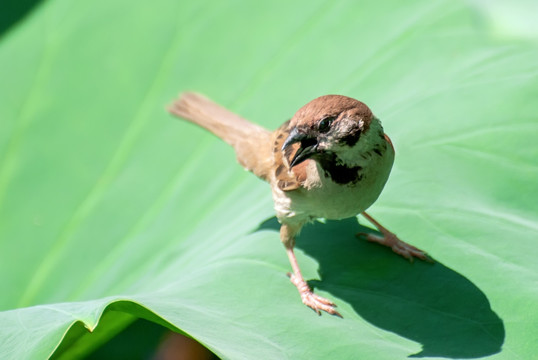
[[112, 210]]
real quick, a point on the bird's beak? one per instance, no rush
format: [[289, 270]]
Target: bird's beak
[[306, 150]]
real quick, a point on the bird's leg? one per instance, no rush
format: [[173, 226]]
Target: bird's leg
[[391, 240], [314, 301]]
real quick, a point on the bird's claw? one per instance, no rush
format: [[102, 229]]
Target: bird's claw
[[313, 301], [398, 246]]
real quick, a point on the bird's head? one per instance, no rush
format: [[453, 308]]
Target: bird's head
[[335, 127]]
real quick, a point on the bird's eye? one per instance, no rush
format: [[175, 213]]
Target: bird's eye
[[325, 124]]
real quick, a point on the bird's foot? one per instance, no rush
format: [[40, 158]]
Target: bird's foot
[[313, 301], [398, 246]]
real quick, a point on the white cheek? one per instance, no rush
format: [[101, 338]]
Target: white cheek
[[347, 125], [348, 156], [330, 142]]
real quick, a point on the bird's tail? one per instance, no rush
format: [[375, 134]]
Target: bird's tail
[[250, 141]]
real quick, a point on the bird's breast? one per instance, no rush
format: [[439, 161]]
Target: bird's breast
[[334, 191]]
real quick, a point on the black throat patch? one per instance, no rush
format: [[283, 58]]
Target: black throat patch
[[340, 174]]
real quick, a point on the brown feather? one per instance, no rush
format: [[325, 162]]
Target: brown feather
[[287, 179], [330, 105], [389, 141]]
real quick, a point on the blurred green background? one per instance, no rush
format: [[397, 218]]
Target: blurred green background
[[110, 210]]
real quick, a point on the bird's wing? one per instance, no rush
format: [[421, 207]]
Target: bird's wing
[[287, 179]]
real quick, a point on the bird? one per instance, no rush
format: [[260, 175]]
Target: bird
[[331, 161]]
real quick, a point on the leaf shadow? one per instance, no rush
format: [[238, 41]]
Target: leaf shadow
[[427, 303], [13, 11]]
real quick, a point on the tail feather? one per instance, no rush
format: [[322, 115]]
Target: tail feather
[[250, 141]]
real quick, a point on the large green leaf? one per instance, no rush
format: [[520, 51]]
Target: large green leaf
[[111, 210]]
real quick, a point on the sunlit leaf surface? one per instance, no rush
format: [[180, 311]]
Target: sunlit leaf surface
[[111, 210]]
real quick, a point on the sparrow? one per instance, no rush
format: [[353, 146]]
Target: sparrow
[[330, 160]]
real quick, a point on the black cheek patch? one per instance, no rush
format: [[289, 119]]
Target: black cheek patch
[[344, 175], [340, 174], [351, 137]]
